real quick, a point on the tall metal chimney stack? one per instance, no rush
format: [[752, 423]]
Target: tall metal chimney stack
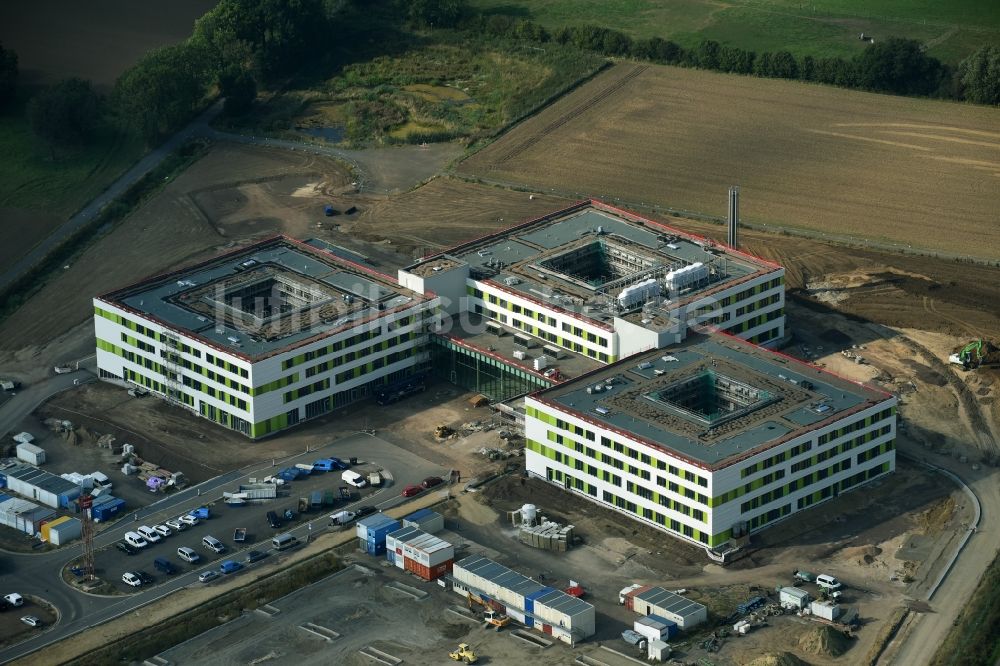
[[734, 216]]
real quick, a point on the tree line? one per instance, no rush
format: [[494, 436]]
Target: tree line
[[895, 65]]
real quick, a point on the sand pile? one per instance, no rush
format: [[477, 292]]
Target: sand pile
[[779, 659], [825, 641]]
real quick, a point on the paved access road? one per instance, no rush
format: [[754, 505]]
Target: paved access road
[[39, 574]]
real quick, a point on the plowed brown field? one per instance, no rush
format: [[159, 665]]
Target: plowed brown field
[[896, 170]]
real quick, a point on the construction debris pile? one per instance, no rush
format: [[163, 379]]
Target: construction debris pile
[[537, 532], [155, 477]]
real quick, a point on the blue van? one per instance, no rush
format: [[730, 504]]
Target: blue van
[[230, 566]]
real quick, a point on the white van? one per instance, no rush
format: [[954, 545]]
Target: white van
[[188, 554], [135, 540], [212, 543], [148, 533], [828, 583], [283, 541], [354, 479]]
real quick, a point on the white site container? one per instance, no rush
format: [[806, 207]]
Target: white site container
[[825, 609], [29, 453]]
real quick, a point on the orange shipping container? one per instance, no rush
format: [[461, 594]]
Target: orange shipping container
[[426, 572]]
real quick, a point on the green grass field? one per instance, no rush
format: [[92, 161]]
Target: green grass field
[[951, 29], [31, 179]]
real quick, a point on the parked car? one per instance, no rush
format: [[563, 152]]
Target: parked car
[[273, 520], [125, 548], [162, 530], [207, 576], [176, 525], [144, 577], [148, 533], [255, 556], [31, 621], [828, 583], [432, 481], [213, 544], [363, 511], [411, 490], [130, 578], [14, 599], [135, 540], [164, 565], [354, 479], [188, 555], [188, 520]]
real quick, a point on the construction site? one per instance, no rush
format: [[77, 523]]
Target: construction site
[[917, 328]]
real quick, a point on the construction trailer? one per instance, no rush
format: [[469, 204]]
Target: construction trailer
[[31, 454], [546, 609], [372, 531], [419, 553], [41, 486], [62, 530], [23, 515], [648, 600], [793, 597], [106, 507], [429, 521]]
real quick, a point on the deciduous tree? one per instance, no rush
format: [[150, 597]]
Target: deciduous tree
[[980, 75], [64, 114]]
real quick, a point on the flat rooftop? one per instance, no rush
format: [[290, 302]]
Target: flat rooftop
[[712, 400], [266, 298], [501, 342], [583, 257]]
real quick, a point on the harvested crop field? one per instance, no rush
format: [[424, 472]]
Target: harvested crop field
[[899, 171], [907, 291]]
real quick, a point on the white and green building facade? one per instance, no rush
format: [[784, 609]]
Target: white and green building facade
[[605, 284], [711, 440], [266, 337]]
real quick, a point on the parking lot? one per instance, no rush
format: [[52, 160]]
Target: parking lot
[[224, 520]]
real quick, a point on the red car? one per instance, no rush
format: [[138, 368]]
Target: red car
[[432, 481], [410, 491]]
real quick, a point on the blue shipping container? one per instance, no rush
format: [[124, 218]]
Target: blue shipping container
[[671, 625], [107, 510], [3, 480]]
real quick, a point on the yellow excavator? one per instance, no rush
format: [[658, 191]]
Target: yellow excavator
[[464, 654], [491, 616]]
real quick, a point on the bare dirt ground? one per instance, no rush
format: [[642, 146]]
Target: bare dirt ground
[[171, 229], [445, 212], [94, 40], [834, 161]]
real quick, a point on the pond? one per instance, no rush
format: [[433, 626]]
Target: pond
[[331, 134]]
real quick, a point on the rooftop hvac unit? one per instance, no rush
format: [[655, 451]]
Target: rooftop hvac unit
[[540, 363], [603, 411], [683, 278], [519, 355], [511, 281]]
